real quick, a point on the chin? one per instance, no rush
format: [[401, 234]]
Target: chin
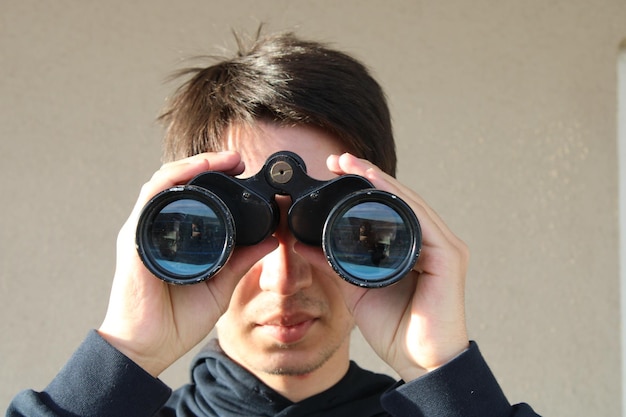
[[297, 369], [292, 361]]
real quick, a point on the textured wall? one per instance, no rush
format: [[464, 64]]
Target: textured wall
[[505, 114]]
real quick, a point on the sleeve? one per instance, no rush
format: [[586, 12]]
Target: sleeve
[[463, 387], [98, 380]]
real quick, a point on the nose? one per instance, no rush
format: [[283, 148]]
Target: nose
[[284, 271]]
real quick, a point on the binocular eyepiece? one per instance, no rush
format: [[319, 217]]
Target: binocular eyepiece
[[187, 233]]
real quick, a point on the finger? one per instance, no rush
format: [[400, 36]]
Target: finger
[[350, 164], [183, 170], [438, 239]]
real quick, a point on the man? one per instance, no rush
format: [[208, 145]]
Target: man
[[283, 317]]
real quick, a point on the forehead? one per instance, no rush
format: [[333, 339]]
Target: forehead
[[256, 144]]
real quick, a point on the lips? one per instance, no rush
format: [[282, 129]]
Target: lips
[[287, 329]]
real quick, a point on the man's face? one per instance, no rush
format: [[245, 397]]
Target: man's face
[[286, 317]]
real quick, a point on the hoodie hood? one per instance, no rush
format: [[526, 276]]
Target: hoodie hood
[[221, 387]]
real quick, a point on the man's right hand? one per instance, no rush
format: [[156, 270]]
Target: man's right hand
[[155, 323]]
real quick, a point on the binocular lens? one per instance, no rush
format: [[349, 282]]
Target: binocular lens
[[187, 238], [372, 239]]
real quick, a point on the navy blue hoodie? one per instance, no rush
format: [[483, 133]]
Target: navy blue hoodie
[[100, 381]]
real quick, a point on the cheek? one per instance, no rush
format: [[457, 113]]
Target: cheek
[[334, 290]]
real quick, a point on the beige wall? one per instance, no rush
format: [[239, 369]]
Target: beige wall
[[505, 113]]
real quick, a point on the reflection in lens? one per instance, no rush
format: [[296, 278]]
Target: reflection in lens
[[374, 242], [187, 238]]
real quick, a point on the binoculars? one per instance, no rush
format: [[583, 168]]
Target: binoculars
[[370, 237]]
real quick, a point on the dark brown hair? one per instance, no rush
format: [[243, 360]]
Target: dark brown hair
[[284, 80]]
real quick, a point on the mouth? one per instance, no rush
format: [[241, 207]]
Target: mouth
[[287, 330]]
